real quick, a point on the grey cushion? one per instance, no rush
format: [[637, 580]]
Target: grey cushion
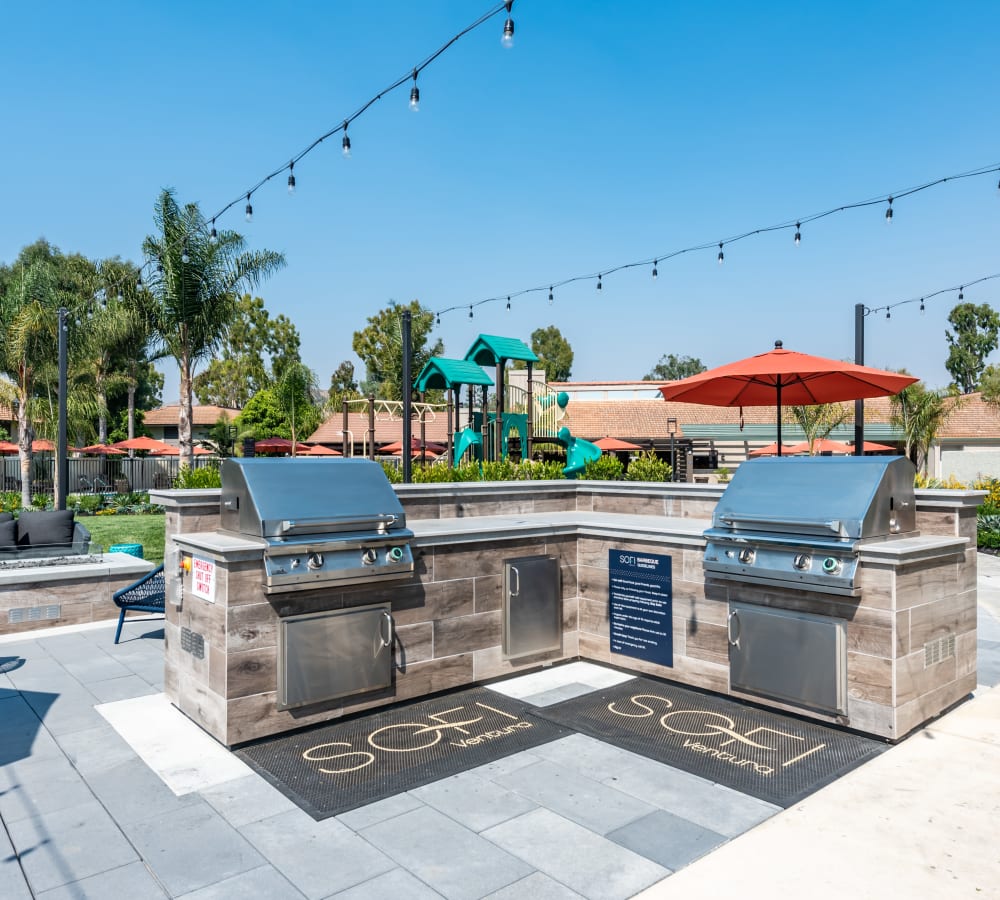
[[45, 528], [6, 516], [8, 534]]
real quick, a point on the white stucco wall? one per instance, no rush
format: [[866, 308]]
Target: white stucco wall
[[968, 463]]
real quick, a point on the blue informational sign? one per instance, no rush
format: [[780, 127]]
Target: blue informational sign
[[640, 605]]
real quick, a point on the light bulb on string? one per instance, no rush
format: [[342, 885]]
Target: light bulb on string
[[346, 144], [120, 297], [159, 267], [415, 94], [508, 304], [655, 273], [508, 27], [888, 213], [184, 253], [961, 293], [138, 283], [921, 306], [798, 233], [249, 210], [722, 255], [291, 178], [213, 235], [599, 285], [888, 314], [470, 312], [551, 295], [438, 319]]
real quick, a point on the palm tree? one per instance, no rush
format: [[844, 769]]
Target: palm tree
[[196, 283], [920, 414], [295, 390], [817, 421]]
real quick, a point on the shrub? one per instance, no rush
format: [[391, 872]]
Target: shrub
[[10, 501], [605, 468], [991, 502], [540, 470], [202, 477], [84, 504], [648, 467], [392, 472]]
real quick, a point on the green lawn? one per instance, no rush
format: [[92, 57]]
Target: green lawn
[[145, 530]]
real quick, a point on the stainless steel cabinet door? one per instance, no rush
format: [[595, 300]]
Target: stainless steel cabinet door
[[791, 656], [532, 612], [334, 654]]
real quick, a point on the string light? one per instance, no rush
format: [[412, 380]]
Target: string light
[[470, 312], [722, 256], [415, 94], [508, 27], [923, 298], [961, 293], [655, 273], [185, 258], [213, 235], [138, 283], [798, 234], [921, 306], [291, 177], [599, 285], [888, 213], [508, 304], [346, 144], [551, 295], [888, 314], [249, 210]]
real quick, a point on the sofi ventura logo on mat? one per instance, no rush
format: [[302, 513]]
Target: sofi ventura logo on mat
[[461, 727]]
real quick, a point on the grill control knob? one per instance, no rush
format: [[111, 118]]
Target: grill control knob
[[832, 566], [394, 555], [315, 561], [295, 563], [369, 556], [747, 556], [802, 561]]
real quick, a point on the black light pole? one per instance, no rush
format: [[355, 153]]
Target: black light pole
[[407, 386], [672, 430], [62, 463], [859, 359]]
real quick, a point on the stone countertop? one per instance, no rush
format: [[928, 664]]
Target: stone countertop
[[913, 549], [105, 565], [222, 545]]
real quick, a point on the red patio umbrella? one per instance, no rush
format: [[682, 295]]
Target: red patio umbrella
[[396, 447], [101, 450], [320, 450], [770, 450], [176, 451], [872, 447], [613, 444], [141, 443], [278, 445], [821, 445], [8, 447], [785, 376], [42, 446]]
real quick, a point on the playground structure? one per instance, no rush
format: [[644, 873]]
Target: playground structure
[[532, 413]]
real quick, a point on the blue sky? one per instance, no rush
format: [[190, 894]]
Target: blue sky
[[610, 133]]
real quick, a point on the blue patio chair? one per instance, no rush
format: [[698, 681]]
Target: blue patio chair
[[148, 594]]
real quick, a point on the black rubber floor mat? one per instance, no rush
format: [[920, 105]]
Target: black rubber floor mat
[[334, 768], [774, 757]]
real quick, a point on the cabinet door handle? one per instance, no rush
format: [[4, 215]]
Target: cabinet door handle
[[387, 621], [515, 582], [734, 619]]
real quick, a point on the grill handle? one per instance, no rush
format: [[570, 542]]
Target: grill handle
[[834, 525], [315, 526], [734, 619], [387, 621]]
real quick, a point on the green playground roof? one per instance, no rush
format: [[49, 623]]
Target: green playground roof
[[489, 349], [449, 373]]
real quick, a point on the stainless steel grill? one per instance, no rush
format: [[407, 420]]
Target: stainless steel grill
[[803, 520], [324, 522]]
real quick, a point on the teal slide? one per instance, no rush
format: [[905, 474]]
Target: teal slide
[[467, 437], [578, 452]]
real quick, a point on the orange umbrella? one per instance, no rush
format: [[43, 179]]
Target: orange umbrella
[[396, 447], [141, 443], [771, 450], [320, 450], [872, 447], [821, 445], [610, 443], [42, 446], [278, 445], [101, 450], [8, 447], [780, 375], [176, 451]]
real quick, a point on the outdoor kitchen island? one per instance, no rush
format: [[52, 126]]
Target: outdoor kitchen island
[[901, 644]]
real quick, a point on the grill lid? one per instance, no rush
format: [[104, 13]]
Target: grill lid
[[278, 499], [831, 497]]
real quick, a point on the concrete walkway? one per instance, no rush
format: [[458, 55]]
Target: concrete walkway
[[88, 812]]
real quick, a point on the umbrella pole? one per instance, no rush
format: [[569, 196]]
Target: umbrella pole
[[779, 414]]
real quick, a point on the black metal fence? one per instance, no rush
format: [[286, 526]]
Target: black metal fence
[[100, 475]]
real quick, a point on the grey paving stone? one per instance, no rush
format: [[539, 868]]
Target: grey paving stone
[[97, 667], [26, 649], [667, 839], [192, 847], [687, 796], [245, 800], [396, 884], [72, 710], [131, 882], [453, 860], [537, 886], [36, 787], [66, 647], [588, 756], [473, 801], [558, 694], [319, 858], [586, 862], [379, 811], [507, 764], [95, 750], [265, 883], [988, 663], [23, 734], [40, 673], [586, 801], [132, 792], [68, 845], [124, 688], [12, 883]]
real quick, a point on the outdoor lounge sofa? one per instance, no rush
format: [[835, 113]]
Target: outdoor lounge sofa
[[42, 533]]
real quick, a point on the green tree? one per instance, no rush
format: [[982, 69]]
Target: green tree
[[380, 346], [555, 355], [975, 338], [673, 368], [920, 413], [295, 392], [197, 282], [342, 387], [256, 350], [817, 421]]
